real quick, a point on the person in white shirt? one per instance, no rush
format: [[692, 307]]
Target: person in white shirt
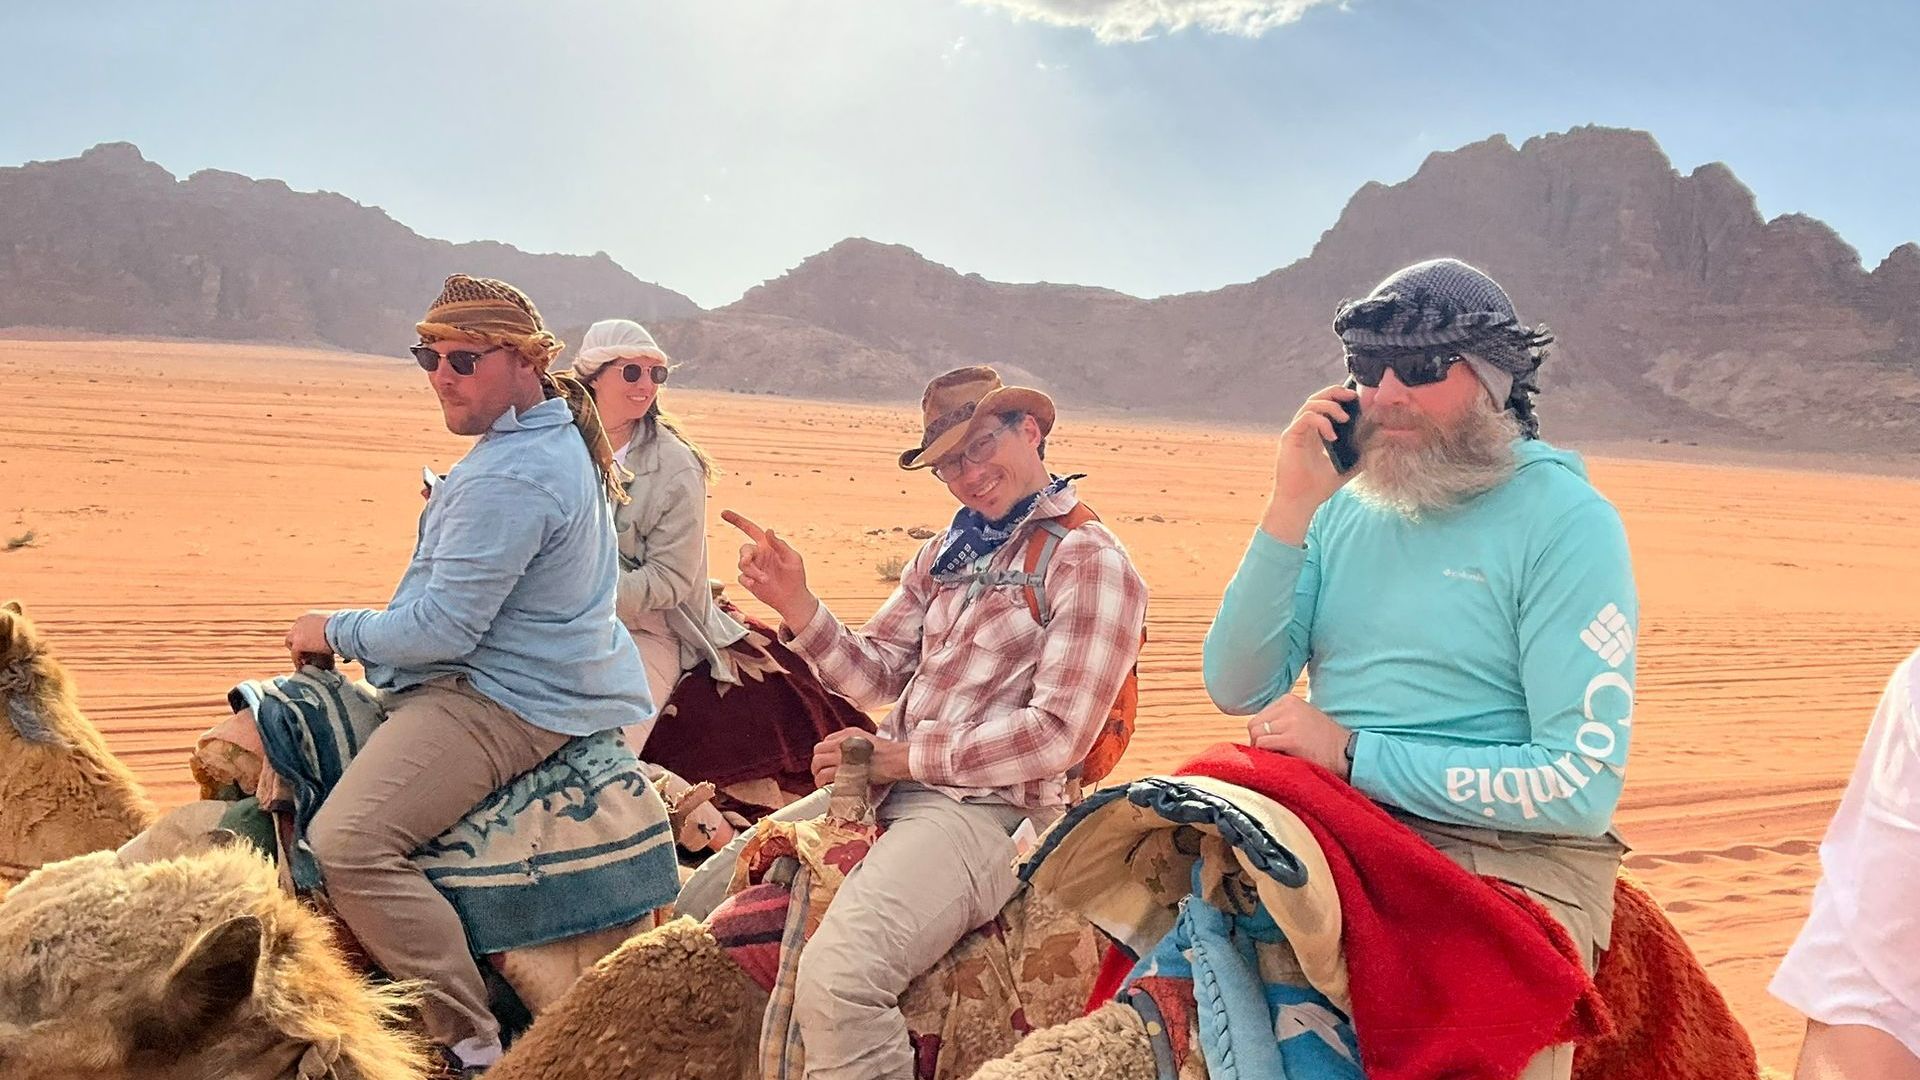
[[1854, 971]]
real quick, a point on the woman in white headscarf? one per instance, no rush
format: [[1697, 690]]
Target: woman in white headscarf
[[747, 712], [664, 599]]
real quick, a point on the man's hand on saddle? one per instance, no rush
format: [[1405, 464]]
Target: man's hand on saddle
[[308, 637], [1292, 727], [1303, 476], [773, 572], [889, 757]]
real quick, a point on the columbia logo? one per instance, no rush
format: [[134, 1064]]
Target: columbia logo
[[1609, 635]]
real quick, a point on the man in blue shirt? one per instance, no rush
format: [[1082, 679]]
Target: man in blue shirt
[[1462, 601], [500, 642]]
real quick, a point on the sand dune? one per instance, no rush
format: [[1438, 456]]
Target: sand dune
[[187, 501]]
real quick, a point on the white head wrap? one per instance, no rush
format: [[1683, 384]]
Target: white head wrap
[[614, 339]]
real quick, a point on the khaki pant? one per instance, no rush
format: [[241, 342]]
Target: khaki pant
[[941, 868], [1572, 878], [442, 749], [660, 655]]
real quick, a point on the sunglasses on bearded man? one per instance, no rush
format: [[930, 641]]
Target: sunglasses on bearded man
[[1412, 369], [460, 360]]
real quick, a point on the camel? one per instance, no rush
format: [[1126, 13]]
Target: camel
[[186, 968], [674, 1003], [62, 792]]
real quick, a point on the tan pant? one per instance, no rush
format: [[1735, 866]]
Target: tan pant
[[941, 868], [443, 748], [660, 655], [1572, 878]]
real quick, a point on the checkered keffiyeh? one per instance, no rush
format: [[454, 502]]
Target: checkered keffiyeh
[[1445, 303], [489, 310], [1437, 302], [991, 703]]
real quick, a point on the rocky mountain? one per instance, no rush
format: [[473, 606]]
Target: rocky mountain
[[1681, 313], [112, 242]]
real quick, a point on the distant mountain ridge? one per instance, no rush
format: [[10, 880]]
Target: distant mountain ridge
[[1681, 313], [112, 242]]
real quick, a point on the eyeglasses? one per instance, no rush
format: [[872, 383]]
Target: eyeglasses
[[1412, 369], [460, 360], [977, 452], [632, 372]]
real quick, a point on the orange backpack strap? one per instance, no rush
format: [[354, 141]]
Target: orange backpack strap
[[1041, 545]]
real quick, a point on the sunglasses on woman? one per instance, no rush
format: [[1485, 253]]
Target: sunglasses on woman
[[460, 360], [1412, 369], [632, 372]]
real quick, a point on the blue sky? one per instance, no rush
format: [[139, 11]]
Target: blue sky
[[712, 144]]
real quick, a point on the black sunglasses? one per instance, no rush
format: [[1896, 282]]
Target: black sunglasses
[[460, 360], [632, 372], [1412, 369]]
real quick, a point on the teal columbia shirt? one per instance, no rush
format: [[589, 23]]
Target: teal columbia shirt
[[1484, 654], [512, 585]]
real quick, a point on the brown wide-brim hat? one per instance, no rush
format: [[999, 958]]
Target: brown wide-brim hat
[[960, 403]]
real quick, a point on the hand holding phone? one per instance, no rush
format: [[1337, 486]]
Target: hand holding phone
[[1313, 462]]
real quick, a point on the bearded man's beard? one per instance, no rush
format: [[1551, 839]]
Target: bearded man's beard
[[1425, 467]]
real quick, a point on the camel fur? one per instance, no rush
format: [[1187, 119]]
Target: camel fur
[[1109, 1043], [190, 967], [669, 1003], [62, 792]]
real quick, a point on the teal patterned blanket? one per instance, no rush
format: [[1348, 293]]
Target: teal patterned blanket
[[579, 844]]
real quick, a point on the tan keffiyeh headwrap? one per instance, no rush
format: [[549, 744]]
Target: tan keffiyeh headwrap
[[491, 312]]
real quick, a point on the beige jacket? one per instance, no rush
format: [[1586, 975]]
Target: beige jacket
[[662, 532]]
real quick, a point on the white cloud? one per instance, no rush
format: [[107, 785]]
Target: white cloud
[[1137, 20]]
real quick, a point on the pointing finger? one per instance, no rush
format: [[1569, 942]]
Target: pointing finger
[[745, 525]]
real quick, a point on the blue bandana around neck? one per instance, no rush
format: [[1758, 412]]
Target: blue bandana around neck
[[972, 537]]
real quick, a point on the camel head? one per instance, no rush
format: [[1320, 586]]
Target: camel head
[[31, 680], [62, 792], [21, 664], [195, 966]]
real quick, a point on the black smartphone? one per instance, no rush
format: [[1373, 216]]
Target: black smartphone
[[1344, 453]]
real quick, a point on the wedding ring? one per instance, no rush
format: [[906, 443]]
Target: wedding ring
[[1266, 727]]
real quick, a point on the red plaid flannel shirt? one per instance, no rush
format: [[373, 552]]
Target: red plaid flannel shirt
[[991, 703]]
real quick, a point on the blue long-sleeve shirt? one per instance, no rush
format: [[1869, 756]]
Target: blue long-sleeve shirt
[[512, 585], [1485, 655]]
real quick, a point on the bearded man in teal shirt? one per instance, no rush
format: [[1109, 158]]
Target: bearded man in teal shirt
[[1462, 602]]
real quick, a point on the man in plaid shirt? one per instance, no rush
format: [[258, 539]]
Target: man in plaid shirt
[[992, 708]]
